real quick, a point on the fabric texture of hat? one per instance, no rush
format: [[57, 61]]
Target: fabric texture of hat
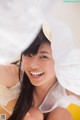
[[67, 58], [18, 28], [68, 73], [62, 42], [47, 31]]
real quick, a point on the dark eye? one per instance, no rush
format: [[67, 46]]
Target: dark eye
[[43, 56], [29, 55]]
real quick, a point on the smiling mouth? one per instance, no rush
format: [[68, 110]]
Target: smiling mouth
[[36, 73]]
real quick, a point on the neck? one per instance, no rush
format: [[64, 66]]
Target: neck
[[41, 91]]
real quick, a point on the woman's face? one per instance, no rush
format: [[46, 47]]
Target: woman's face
[[40, 67]]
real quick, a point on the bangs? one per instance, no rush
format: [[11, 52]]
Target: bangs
[[34, 47]]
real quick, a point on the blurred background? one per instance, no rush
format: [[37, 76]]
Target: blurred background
[[68, 12]]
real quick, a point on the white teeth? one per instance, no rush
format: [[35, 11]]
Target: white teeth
[[36, 73]]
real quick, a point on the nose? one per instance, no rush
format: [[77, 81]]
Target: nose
[[34, 63]]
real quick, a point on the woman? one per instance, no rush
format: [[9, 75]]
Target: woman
[[39, 87]]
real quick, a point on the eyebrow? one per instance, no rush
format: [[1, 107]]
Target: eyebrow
[[43, 52]]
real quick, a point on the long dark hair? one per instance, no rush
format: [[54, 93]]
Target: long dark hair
[[25, 98]]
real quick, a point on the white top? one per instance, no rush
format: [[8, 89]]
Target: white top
[[57, 97], [8, 94], [8, 98]]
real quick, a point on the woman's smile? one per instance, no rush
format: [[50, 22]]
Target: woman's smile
[[36, 74]]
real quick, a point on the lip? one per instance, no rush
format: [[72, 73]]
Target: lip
[[36, 74]]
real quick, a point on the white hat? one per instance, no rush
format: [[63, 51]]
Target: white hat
[[67, 58], [68, 73], [62, 42], [18, 28], [47, 31]]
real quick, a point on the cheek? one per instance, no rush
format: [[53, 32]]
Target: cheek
[[50, 68], [24, 64], [50, 65], [25, 61]]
